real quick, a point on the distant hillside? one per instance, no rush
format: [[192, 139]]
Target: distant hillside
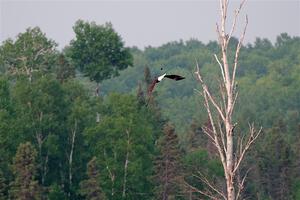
[[268, 79]]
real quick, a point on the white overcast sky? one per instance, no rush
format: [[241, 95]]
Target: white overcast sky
[[143, 23]]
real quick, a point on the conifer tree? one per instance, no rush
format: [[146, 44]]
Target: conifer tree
[[140, 95], [90, 187], [25, 187], [3, 187], [168, 171], [64, 69], [194, 137], [56, 193], [275, 163], [147, 75]]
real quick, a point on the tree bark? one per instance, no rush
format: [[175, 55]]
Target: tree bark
[[71, 153], [126, 165]]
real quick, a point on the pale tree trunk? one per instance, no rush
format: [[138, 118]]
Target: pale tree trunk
[[62, 175], [97, 93], [40, 138], [126, 165], [220, 112], [111, 174], [71, 153]]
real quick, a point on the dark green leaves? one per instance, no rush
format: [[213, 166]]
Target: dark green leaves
[[98, 51]]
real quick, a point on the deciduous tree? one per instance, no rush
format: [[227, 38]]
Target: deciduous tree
[[31, 51], [125, 141], [98, 51]]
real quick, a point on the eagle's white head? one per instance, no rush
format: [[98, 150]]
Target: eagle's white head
[[161, 77]]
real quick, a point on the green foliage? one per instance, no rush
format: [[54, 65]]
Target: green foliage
[[272, 165], [56, 193], [25, 187], [64, 69], [46, 113], [40, 106], [268, 84], [168, 170], [4, 94], [198, 164], [147, 75], [46, 104], [265, 71], [7, 135], [296, 189], [98, 51], [125, 127], [3, 187], [30, 52]]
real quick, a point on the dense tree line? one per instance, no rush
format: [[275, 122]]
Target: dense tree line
[[268, 79], [63, 136]]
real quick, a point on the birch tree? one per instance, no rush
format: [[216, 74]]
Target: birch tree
[[31, 52], [220, 106]]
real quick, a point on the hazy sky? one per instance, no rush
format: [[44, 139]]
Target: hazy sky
[[143, 23]]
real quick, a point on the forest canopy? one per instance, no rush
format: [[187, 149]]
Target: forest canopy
[[48, 120]]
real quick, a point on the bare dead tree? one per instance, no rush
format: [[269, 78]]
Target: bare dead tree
[[220, 108]]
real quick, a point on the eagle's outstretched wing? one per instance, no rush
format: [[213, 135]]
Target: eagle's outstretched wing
[[155, 81], [175, 77]]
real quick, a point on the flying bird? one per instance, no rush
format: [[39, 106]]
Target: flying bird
[[160, 78]]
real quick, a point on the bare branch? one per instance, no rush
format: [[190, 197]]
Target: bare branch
[[223, 7], [217, 144], [234, 101], [241, 184], [223, 95], [207, 182], [240, 144], [222, 136], [219, 35], [207, 194], [222, 133], [253, 136], [198, 91], [237, 12], [205, 90], [40, 52], [221, 67], [209, 133], [237, 52], [212, 100], [207, 95]]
